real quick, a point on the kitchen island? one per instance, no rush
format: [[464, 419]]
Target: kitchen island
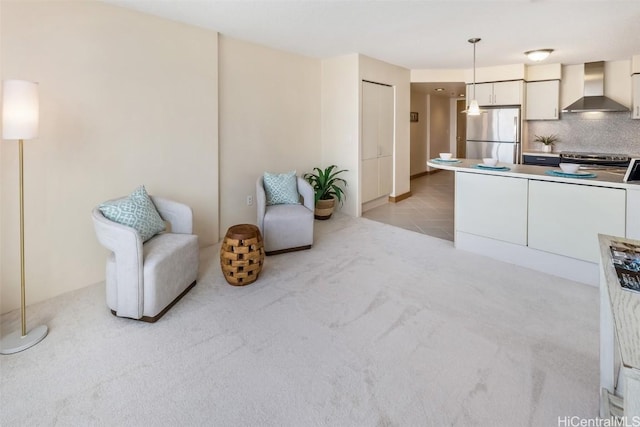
[[549, 223]]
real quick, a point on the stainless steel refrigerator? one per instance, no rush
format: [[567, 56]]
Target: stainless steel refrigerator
[[494, 133]]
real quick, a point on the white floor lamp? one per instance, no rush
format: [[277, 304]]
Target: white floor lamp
[[20, 121]]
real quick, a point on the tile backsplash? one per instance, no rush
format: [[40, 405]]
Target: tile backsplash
[[589, 132]]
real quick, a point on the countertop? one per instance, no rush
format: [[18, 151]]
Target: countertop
[[602, 179]]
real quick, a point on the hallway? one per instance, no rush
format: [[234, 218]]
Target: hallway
[[429, 210]]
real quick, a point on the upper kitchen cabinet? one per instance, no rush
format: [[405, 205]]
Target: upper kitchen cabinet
[[497, 93], [543, 100], [636, 96]]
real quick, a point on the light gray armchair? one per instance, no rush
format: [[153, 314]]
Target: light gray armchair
[[286, 228], [144, 280]]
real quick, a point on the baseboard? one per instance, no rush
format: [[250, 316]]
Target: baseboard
[[396, 199], [284, 251], [425, 173]]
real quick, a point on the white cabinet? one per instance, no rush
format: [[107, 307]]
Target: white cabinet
[[377, 140], [377, 177], [492, 206], [635, 104], [497, 93], [565, 219], [543, 100], [633, 213]]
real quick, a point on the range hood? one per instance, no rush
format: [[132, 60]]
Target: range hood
[[594, 99]]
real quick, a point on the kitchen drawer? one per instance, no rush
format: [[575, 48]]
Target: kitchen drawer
[[529, 159]]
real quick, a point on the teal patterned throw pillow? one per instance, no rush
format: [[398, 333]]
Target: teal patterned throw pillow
[[136, 211], [281, 188]]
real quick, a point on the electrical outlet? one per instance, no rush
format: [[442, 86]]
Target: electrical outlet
[[249, 200]]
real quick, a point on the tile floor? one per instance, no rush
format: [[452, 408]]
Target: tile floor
[[429, 210]]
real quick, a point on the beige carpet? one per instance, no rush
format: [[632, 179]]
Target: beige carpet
[[375, 326]]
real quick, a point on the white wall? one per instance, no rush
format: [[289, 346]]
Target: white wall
[[340, 105], [269, 121], [439, 119], [2, 232], [418, 131], [125, 99]]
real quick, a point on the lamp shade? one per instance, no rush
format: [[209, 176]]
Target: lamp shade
[[474, 108], [19, 109]]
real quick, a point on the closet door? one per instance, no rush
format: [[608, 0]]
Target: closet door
[[386, 103], [370, 100], [377, 133]]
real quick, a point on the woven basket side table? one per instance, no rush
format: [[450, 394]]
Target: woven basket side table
[[242, 254]]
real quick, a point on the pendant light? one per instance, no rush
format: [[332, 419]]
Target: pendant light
[[474, 108]]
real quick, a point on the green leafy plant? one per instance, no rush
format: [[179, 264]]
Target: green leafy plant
[[326, 183], [547, 140]]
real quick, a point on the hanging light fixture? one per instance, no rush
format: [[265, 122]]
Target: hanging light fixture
[[474, 108]]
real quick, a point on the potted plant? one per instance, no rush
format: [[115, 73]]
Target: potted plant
[[547, 142], [328, 188]]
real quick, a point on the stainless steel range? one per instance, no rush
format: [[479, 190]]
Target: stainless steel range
[[595, 160]]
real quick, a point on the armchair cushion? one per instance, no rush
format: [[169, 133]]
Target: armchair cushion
[[136, 211], [281, 188]]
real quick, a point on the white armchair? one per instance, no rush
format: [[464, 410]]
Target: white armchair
[[144, 280], [287, 227]]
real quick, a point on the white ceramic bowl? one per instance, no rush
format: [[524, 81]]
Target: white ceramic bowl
[[445, 156], [569, 167], [490, 161]]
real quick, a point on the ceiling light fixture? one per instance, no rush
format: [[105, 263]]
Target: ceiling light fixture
[[538, 54], [439, 89], [474, 109]]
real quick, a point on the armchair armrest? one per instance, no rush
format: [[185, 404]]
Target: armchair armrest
[[126, 245], [306, 190], [261, 203], [179, 215]]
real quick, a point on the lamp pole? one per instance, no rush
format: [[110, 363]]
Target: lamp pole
[[20, 121]]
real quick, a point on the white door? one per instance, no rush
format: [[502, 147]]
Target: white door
[[385, 120], [565, 219], [484, 93], [370, 101], [507, 93], [543, 99], [377, 133]]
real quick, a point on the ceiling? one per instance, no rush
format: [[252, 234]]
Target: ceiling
[[420, 34]]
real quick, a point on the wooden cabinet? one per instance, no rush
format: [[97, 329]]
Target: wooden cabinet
[[565, 219], [377, 140], [492, 206], [635, 100], [543, 100], [497, 93]]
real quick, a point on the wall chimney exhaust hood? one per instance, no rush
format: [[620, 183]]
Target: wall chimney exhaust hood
[[594, 99]]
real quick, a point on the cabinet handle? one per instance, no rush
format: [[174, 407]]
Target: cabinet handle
[[555, 113], [638, 111]]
